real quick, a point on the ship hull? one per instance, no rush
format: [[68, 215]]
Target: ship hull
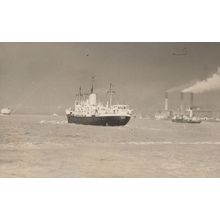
[[99, 120], [186, 121], [6, 113]]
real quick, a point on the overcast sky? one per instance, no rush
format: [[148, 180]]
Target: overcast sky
[[44, 77]]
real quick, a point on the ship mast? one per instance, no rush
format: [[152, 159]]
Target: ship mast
[[79, 95], [110, 92]]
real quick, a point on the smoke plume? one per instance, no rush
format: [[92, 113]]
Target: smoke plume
[[181, 87], [210, 84]]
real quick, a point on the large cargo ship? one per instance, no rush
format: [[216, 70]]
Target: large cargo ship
[[87, 111]]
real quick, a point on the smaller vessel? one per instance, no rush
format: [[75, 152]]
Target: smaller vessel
[[186, 119], [5, 111]]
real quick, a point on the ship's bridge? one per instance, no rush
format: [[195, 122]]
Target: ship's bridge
[[121, 109]]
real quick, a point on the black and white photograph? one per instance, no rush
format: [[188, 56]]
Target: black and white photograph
[[110, 109]]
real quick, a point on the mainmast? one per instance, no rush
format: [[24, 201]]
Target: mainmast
[[110, 92]]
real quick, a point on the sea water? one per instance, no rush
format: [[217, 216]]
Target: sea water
[[47, 146]]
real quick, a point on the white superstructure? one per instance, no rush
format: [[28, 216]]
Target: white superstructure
[[5, 111], [87, 107]]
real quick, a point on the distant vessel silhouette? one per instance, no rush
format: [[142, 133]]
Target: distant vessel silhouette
[[186, 119], [5, 111]]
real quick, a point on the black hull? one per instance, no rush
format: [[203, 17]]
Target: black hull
[[99, 121]]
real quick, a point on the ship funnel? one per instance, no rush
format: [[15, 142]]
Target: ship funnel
[[181, 103], [92, 81], [166, 102], [92, 99]]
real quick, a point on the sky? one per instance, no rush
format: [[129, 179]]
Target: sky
[[45, 77]]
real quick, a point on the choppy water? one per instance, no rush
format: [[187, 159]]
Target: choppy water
[[47, 146]]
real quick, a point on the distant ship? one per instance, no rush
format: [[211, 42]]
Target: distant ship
[[186, 119], [5, 111], [86, 111]]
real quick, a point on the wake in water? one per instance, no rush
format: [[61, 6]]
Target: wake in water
[[52, 122]]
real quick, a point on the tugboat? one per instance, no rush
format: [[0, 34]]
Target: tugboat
[[86, 111], [186, 119]]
